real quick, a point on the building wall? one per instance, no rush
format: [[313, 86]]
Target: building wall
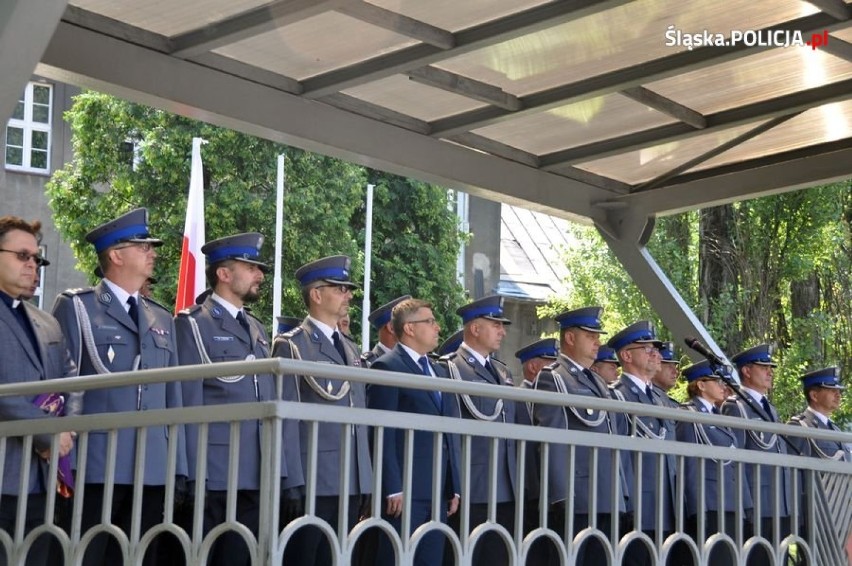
[[23, 195], [482, 253]]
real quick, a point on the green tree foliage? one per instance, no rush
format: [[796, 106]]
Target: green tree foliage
[[323, 209], [782, 276]]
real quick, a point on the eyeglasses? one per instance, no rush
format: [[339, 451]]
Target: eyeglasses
[[429, 321], [648, 349], [24, 257], [339, 286], [144, 247]]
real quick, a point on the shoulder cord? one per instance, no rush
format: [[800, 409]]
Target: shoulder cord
[[88, 339], [312, 382], [205, 358], [468, 402], [757, 437], [560, 387], [702, 438], [839, 455]]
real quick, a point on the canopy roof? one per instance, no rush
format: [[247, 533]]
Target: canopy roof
[[572, 107]]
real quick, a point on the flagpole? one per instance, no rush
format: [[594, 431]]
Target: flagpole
[[279, 235], [191, 272], [368, 265]]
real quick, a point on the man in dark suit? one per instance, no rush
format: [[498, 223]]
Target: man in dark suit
[[484, 330], [755, 366], [579, 340], [33, 349], [639, 352], [111, 328], [417, 331], [823, 393], [380, 319], [222, 330], [326, 291]]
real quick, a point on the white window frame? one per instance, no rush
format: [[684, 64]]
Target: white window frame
[[29, 127]]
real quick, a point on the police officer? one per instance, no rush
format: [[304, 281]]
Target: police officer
[[823, 393], [666, 377], [579, 340], [755, 366], [534, 357], [33, 350], [222, 330], [326, 291], [706, 391], [484, 330], [110, 327], [639, 352], [606, 365], [380, 319]]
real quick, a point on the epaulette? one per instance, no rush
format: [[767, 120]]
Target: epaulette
[[156, 304], [501, 362], [368, 356], [189, 310], [348, 338], [78, 291], [797, 418], [292, 333], [448, 357], [251, 314], [552, 367]]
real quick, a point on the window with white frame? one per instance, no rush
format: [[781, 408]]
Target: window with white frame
[[28, 131]]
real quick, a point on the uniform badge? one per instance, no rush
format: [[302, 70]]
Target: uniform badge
[[216, 311], [590, 411], [106, 298], [160, 331], [110, 354], [328, 387], [470, 360], [223, 338], [250, 358]]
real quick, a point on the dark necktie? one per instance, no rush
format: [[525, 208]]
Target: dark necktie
[[338, 345], [424, 367], [133, 309], [591, 377], [490, 367], [715, 411], [241, 318], [831, 425], [649, 391], [765, 402]]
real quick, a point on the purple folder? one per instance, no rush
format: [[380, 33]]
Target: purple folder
[[54, 404]]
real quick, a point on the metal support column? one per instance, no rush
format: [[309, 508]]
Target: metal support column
[[626, 232]]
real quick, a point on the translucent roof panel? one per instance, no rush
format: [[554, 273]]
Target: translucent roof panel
[[751, 79], [845, 34], [827, 123], [453, 15], [649, 163], [167, 17], [401, 94], [575, 124], [621, 37], [315, 45]]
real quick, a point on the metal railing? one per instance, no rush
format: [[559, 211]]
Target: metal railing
[[819, 518]]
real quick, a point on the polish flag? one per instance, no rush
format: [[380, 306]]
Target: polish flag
[[191, 275]]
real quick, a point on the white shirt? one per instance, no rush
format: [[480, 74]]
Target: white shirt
[[823, 419], [121, 295], [416, 357], [324, 328], [643, 385], [707, 404], [232, 310], [476, 355]]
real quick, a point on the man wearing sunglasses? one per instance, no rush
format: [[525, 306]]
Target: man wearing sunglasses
[[326, 291], [110, 328], [33, 350]]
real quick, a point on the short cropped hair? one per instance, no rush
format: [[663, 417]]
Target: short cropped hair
[[9, 223], [401, 313]]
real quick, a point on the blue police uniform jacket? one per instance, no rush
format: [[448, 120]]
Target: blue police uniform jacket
[[490, 409], [106, 338], [710, 435], [661, 429], [223, 339], [763, 442], [422, 402], [826, 449], [562, 377], [21, 364], [308, 343]]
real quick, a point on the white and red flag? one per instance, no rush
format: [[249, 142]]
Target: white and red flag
[[191, 275]]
